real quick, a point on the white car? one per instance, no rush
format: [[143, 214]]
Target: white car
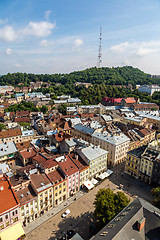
[[66, 213]]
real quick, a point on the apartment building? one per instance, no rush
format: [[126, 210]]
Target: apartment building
[[10, 222], [71, 171], [116, 144], [132, 166], [8, 152], [82, 166], [27, 198], [44, 190], [95, 157], [14, 135], [59, 182]]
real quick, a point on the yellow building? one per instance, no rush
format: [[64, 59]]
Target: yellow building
[[133, 161], [59, 186]]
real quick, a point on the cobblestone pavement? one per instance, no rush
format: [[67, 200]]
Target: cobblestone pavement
[[52, 226]]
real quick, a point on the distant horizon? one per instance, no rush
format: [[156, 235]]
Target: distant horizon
[[78, 71]]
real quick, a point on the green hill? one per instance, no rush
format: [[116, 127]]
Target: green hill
[[104, 75]]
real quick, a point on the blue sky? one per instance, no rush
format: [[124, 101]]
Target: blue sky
[[59, 36]]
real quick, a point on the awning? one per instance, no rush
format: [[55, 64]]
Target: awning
[[105, 174], [94, 181], [109, 171], [12, 233], [101, 176], [88, 184]]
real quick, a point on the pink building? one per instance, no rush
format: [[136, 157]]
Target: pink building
[[10, 224], [71, 171]]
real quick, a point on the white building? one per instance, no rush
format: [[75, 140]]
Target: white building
[[149, 89], [117, 145], [95, 157]]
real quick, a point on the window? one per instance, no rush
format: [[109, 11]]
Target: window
[[1, 226], [15, 219], [6, 217], [1, 219], [16, 212], [7, 224]]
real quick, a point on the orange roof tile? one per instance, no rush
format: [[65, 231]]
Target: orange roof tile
[[10, 133], [8, 199]]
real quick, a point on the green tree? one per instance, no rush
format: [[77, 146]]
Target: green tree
[[108, 204], [44, 109], [2, 127], [156, 193]]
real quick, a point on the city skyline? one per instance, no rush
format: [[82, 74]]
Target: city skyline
[[59, 37]]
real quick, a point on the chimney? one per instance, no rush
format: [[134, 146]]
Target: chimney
[[141, 223]]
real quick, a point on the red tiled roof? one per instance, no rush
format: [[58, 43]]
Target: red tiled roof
[[145, 105], [68, 167], [129, 100], [10, 133], [28, 195], [49, 163], [38, 179], [29, 153], [23, 145], [8, 199], [79, 162], [22, 119], [56, 176], [22, 113]]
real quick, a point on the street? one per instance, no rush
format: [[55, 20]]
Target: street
[[82, 209]]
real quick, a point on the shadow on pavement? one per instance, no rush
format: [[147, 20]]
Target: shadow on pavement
[[85, 225]]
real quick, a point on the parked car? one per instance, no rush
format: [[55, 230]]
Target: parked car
[[66, 213]]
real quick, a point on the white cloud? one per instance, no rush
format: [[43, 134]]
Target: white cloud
[[119, 48], [8, 34], [44, 43], [47, 14], [38, 29], [9, 51], [78, 42], [136, 48]]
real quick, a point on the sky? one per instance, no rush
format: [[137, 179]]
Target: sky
[[62, 36]]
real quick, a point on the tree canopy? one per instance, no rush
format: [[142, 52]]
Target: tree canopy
[[156, 193], [108, 204]]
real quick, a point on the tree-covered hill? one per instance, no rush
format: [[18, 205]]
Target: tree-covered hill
[[104, 75]]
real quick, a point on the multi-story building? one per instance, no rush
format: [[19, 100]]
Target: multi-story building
[[11, 135], [83, 167], [96, 158], [116, 144], [146, 164], [44, 190], [71, 171], [149, 89], [8, 152], [27, 198], [59, 182], [81, 131], [133, 160], [10, 222]]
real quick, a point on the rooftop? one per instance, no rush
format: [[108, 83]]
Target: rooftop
[[124, 225], [115, 139], [10, 133], [8, 199], [93, 152], [40, 181], [7, 148]]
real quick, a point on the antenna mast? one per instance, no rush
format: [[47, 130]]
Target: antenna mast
[[100, 49]]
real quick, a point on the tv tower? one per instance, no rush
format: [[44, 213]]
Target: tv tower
[[100, 49]]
